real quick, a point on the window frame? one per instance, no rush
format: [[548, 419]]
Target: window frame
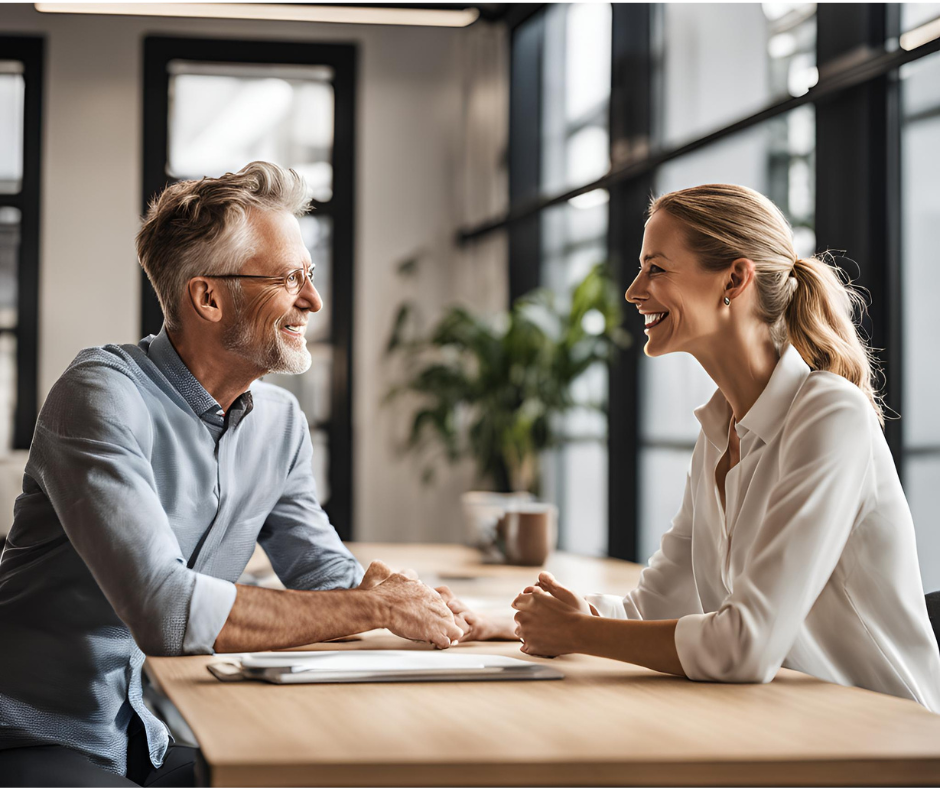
[[159, 51], [30, 51]]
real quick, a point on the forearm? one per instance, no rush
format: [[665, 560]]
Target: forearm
[[262, 618], [650, 644]]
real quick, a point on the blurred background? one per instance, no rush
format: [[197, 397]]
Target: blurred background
[[467, 155]]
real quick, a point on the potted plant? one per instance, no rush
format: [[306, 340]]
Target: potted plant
[[493, 389]]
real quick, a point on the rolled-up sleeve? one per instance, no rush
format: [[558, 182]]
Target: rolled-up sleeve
[[821, 493], [209, 608], [303, 546], [666, 589], [90, 455]]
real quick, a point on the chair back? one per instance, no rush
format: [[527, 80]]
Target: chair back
[[933, 611]]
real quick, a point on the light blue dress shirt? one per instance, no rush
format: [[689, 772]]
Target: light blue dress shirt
[[142, 503]]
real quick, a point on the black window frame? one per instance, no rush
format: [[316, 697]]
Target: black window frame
[[158, 52], [858, 194], [30, 51]]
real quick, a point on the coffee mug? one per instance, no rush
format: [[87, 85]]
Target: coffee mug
[[528, 532]]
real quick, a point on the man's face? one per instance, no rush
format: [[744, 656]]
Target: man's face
[[268, 329]]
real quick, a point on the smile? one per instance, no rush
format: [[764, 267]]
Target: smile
[[295, 331], [653, 319]]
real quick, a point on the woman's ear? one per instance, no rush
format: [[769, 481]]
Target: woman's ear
[[740, 277]]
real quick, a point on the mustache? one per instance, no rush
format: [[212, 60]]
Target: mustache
[[292, 319]]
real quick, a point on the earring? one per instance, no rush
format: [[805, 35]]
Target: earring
[[727, 301]]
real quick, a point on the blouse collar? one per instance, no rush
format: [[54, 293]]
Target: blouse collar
[[767, 414]]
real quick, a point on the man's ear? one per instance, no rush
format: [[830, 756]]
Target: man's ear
[[740, 277], [204, 298]]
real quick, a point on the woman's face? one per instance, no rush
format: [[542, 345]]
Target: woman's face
[[680, 301]]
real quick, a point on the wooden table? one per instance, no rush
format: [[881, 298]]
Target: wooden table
[[606, 723]]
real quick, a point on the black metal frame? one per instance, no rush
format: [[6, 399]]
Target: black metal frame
[[858, 192], [342, 58], [525, 151], [28, 50]]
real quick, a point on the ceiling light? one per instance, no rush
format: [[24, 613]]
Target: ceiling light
[[339, 14]]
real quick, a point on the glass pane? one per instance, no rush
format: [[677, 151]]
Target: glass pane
[[321, 464], [671, 387], [223, 116], [725, 61], [575, 151], [317, 232], [9, 260], [576, 68], [12, 98], [7, 391], [920, 239], [916, 14], [662, 478], [579, 489], [922, 487], [574, 240]]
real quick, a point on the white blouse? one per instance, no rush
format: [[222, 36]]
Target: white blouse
[[812, 567]]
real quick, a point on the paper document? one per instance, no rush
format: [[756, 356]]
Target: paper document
[[370, 661]]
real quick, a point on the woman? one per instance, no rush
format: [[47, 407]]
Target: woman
[[794, 545]]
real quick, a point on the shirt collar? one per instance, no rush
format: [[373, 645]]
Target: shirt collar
[[766, 416], [162, 353]]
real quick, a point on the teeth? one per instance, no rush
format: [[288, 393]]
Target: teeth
[[653, 317]]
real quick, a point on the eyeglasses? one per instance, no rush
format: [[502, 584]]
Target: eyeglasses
[[293, 281]]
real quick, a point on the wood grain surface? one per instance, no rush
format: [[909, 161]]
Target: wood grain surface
[[606, 723]]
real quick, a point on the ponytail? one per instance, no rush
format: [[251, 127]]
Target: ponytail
[[820, 321]]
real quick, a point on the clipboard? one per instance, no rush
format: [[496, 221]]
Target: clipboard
[[384, 666]]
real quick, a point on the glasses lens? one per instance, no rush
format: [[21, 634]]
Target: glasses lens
[[295, 281]]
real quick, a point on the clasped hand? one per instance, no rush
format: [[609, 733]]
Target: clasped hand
[[548, 617]]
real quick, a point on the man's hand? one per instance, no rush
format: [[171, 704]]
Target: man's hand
[[546, 625], [379, 572], [477, 626], [549, 584], [413, 610]]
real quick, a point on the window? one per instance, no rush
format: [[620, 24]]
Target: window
[[566, 49], [20, 102], [920, 239], [222, 105]]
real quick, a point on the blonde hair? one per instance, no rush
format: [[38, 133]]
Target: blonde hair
[[809, 302], [195, 228]]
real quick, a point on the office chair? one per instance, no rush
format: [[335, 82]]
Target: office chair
[[933, 610]]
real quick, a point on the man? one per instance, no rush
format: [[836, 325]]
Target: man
[[154, 470]]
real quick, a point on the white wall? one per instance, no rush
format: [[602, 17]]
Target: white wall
[[431, 131]]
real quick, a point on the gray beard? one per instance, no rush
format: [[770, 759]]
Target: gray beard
[[271, 353]]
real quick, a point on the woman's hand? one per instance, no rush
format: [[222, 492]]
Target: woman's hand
[[546, 625], [477, 626], [548, 583]]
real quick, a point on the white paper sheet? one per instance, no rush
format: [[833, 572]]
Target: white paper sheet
[[372, 661]]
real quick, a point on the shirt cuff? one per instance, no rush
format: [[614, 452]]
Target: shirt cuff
[[688, 645], [209, 607], [608, 605]]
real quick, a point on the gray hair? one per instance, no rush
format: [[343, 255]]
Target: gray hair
[[194, 228]]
